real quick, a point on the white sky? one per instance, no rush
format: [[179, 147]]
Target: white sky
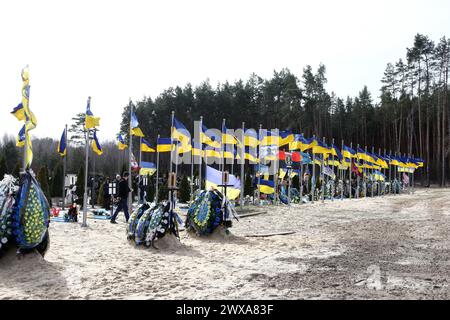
[[116, 50]]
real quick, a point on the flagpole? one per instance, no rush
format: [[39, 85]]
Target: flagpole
[[139, 174], [259, 165], [86, 170], [192, 173], [313, 185], [157, 170], [200, 156], [350, 174], [275, 177], [384, 172], [342, 171], [412, 176], [371, 186], [130, 150], [171, 140], [322, 174], [241, 200], [222, 151], [64, 170], [301, 175], [390, 175], [332, 160]]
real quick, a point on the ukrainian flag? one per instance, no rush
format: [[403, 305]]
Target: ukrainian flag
[[96, 147], [378, 176], [135, 130], [251, 138], [286, 137], [226, 137], [335, 151], [90, 121], [164, 145], [184, 148], [30, 119], [321, 148], [214, 180], [362, 155], [269, 138], [121, 143], [419, 162], [348, 152], [20, 139], [382, 162], [62, 145], [179, 132], [296, 143], [248, 155], [209, 140], [19, 112], [147, 168], [266, 186], [197, 152], [212, 153], [307, 144], [145, 146], [372, 158]]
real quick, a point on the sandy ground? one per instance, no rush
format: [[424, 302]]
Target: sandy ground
[[396, 247]]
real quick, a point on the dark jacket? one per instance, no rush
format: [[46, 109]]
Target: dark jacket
[[123, 189]]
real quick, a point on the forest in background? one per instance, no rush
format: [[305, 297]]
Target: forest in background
[[411, 117]]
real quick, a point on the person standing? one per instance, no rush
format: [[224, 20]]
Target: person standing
[[122, 197]]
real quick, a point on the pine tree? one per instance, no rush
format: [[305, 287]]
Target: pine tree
[[80, 185], [3, 169], [57, 181], [185, 190]]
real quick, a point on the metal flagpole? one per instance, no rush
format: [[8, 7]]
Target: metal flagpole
[[322, 176], [241, 201], [171, 140], [259, 166], [157, 171], [412, 176], [313, 180], [332, 159], [93, 181], [64, 171], [200, 157], [86, 170], [390, 169], [275, 177], [350, 174], [300, 180], [139, 174], [192, 173], [365, 175], [342, 171], [222, 149], [373, 182], [357, 175], [130, 151]]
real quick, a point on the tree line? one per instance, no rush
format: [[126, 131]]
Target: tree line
[[412, 115]]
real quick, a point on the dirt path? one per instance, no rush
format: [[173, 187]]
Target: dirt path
[[396, 247]]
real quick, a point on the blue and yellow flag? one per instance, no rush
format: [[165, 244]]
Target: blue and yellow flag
[[269, 138], [62, 144], [20, 139], [96, 147], [164, 145], [214, 180], [121, 142], [286, 137], [266, 186], [90, 121], [30, 119], [209, 139], [296, 143], [135, 130], [180, 133], [348, 152], [362, 155], [336, 152], [250, 154], [307, 144], [321, 148], [19, 112], [226, 137], [251, 138], [145, 146], [147, 168]]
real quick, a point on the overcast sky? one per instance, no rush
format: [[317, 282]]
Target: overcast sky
[[116, 50]]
